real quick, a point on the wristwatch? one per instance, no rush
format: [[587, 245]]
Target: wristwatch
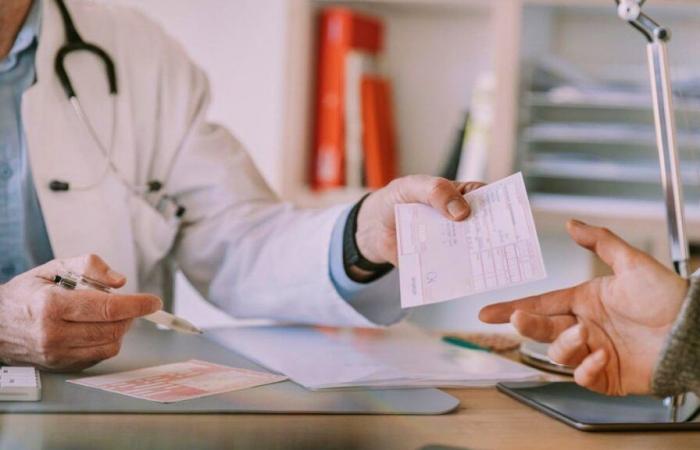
[[357, 267]]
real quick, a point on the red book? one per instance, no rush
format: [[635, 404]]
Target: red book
[[341, 32], [378, 132]]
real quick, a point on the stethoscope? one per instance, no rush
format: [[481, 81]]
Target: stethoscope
[[75, 43]]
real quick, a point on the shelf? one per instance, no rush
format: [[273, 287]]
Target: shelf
[[634, 211], [604, 170], [622, 103], [602, 133], [654, 5], [434, 5]]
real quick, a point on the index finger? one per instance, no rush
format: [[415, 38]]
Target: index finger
[[551, 303], [95, 306]]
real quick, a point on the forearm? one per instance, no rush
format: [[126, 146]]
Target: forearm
[[678, 369]]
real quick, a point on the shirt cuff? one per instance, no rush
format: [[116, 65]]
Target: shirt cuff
[[379, 300]]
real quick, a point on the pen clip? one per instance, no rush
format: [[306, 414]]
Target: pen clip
[[73, 280], [65, 282]]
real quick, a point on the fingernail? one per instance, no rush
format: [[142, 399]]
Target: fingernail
[[577, 222], [457, 207]]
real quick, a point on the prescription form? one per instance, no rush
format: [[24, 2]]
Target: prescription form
[[494, 248]]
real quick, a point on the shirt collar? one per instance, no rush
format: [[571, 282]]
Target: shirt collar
[[26, 36]]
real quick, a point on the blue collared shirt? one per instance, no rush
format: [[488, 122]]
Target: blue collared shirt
[[24, 243]]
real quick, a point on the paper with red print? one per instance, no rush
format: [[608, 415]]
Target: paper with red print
[[494, 248], [179, 381]]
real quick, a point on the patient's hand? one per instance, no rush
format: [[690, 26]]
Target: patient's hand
[[55, 328], [612, 328]]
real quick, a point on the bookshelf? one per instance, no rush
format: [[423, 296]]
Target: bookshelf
[[435, 51]]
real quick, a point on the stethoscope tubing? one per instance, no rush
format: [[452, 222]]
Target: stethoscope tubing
[[75, 43]]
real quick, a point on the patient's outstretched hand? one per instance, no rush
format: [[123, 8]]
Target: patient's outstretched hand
[[611, 328]]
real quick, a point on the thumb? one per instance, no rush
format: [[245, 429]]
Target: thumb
[[91, 266], [443, 195], [612, 249]]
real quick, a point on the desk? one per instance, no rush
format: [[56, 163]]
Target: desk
[[485, 420]]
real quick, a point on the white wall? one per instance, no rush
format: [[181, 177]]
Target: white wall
[[241, 44]]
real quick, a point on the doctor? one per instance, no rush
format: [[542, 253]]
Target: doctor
[[129, 174]]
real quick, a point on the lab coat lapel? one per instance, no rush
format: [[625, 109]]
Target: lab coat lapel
[[94, 220]]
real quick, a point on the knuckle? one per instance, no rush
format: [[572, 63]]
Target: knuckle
[[48, 349], [110, 351], [44, 309], [107, 310], [117, 332], [438, 187], [48, 340], [396, 183], [93, 262], [439, 184]]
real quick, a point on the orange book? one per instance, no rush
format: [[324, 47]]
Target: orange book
[[341, 31], [378, 132]]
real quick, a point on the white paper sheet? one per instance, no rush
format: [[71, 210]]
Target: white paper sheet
[[398, 357], [495, 248]]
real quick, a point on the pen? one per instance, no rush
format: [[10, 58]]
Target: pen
[[459, 342], [72, 280]]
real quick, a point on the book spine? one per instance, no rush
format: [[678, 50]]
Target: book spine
[[342, 32], [378, 132], [329, 147]]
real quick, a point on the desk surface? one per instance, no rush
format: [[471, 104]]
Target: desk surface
[[486, 420]]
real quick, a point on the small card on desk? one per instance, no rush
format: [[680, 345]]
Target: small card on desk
[[494, 248], [179, 381]]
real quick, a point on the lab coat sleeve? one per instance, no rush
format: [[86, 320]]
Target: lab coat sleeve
[[379, 300], [244, 250]]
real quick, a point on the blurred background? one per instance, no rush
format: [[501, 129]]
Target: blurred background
[[334, 98]]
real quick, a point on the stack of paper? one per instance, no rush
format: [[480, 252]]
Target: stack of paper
[[400, 357]]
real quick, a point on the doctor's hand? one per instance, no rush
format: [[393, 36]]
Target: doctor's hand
[[611, 328], [59, 329], [376, 225]]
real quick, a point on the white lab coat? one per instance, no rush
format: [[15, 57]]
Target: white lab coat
[[243, 249]]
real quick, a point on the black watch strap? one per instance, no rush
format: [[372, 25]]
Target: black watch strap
[[352, 257]]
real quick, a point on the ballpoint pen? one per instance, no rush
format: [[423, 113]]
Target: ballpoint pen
[[72, 280]]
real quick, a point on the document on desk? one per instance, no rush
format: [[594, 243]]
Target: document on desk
[[402, 356], [179, 381], [494, 248]]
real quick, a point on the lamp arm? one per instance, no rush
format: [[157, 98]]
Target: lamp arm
[[664, 120]]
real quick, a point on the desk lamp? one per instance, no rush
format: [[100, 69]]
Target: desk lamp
[[577, 406]]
